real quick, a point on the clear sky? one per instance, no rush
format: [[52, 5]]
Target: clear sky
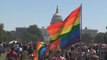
[[22, 13]]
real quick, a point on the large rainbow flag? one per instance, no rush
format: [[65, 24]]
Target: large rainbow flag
[[68, 31]]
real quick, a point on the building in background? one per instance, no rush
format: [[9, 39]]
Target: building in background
[[45, 34], [56, 17], [92, 32], [21, 30]]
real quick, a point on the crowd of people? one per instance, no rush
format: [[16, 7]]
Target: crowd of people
[[23, 51], [84, 52], [17, 51]]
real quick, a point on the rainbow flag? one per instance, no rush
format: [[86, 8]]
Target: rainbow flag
[[68, 31], [38, 45], [42, 53], [54, 44], [39, 52], [53, 31], [35, 55]]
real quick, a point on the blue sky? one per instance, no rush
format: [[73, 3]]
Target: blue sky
[[22, 13]]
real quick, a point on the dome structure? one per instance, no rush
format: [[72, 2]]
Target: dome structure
[[56, 17]]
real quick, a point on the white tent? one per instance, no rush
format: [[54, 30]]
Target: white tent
[[12, 42]]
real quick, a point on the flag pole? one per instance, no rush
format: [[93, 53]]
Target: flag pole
[[81, 32], [81, 23]]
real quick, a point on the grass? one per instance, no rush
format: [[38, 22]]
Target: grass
[[3, 56]]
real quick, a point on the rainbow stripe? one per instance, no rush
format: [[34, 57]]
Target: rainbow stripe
[[54, 30], [39, 51], [68, 30], [71, 30], [35, 55]]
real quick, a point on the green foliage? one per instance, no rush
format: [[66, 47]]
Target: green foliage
[[87, 38], [2, 32], [6, 35], [10, 35], [105, 37], [100, 38], [33, 33]]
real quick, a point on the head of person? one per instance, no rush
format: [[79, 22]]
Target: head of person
[[95, 57], [58, 53], [12, 48]]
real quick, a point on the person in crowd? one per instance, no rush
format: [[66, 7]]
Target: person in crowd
[[30, 51], [2, 49], [51, 55], [12, 55], [58, 56], [95, 57], [20, 51]]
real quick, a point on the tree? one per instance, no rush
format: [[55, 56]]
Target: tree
[[10, 35], [105, 37], [33, 29], [100, 38], [2, 32], [33, 33], [87, 38], [106, 27]]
